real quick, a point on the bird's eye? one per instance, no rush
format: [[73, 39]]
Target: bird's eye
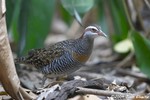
[[93, 30]]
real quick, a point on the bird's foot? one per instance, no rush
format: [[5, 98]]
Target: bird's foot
[[53, 83]]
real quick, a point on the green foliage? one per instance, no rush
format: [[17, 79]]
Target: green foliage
[[65, 14], [74, 7], [81, 6], [11, 6], [119, 18], [39, 19], [111, 14], [12, 16], [142, 51], [29, 22]]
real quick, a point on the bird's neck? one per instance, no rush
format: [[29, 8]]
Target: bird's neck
[[85, 45], [87, 40]]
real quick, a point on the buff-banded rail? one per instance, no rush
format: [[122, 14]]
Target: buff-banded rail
[[65, 57]]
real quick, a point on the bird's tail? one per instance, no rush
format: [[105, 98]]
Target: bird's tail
[[20, 60]]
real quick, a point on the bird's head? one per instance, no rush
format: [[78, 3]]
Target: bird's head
[[93, 32]]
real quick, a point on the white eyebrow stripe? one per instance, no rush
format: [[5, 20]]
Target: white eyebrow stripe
[[92, 27]]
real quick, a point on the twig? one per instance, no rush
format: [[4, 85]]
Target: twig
[[104, 92], [68, 89]]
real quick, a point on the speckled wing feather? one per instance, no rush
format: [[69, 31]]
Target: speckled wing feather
[[41, 57]]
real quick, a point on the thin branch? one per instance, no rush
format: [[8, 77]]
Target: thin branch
[[104, 93]]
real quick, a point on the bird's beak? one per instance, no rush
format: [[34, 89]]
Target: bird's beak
[[101, 33]]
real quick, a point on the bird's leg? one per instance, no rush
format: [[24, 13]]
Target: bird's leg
[[61, 78], [56, 80], [43, 80], [53, 82]]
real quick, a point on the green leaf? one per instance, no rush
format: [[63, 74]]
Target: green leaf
[[10, 6], [123, 46], [34, 22], [29, 22], [65, 14], [81, 6], [12, 16], [142, 51], [119, 22]]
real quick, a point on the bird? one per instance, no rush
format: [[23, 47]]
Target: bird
[[64, 57]]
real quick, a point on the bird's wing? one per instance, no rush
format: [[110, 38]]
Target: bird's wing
[[41, 57]]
